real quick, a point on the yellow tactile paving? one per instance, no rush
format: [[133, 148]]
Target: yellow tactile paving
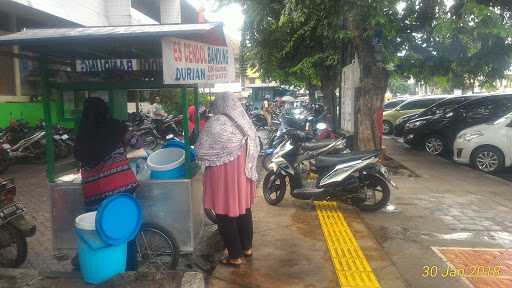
[[349, 262]]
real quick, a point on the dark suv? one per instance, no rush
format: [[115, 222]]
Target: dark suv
[[438, 133], [432, 111]]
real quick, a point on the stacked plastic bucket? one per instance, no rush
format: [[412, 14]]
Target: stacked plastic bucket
[[103, 237]]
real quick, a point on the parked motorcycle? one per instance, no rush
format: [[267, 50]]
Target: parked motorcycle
[[354, 178], [62, 140], [33, 147], [153, 132], [14, 227], [267, 153]]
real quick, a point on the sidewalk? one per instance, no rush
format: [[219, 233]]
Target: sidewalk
[[451, 216], [290, 250]]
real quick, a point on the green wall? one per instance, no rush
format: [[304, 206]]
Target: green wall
[[31, 112]]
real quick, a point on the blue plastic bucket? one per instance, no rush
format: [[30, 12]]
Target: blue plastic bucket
[[175, 143], [167, 164], [99, 261], [102, 237]]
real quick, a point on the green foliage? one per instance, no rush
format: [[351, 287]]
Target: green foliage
[[172, 104], [467, 44], [302, 41], [398, 86]]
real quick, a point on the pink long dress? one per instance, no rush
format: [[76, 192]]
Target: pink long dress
[[227, 190]]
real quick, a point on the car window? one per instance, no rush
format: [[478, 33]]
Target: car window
[[444, 106], [392, 104], [419, 104], [480, 111], [505, 105]]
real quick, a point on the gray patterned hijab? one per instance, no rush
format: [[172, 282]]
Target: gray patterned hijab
[[226, 133]]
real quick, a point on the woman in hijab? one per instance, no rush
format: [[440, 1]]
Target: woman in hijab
[[229, 147], [100, 149]]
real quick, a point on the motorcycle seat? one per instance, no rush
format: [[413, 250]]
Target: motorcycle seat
[[312, 146], [328, 161]]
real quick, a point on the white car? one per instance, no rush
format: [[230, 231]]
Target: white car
[[487, 147]]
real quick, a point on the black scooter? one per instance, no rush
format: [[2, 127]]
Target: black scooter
[[356, 178], [14, 227]]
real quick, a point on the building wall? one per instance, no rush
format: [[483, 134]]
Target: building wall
[[90, 12], [7, 86], [83, 12]]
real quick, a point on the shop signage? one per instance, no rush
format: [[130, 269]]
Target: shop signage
[[189, 62], [127, 65]]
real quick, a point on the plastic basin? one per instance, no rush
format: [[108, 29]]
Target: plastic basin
[[167, 164]]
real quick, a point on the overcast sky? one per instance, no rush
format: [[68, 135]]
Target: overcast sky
[[231, 15]]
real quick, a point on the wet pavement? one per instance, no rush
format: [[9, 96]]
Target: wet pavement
[[290, 250], [32, 191], [447, 206]]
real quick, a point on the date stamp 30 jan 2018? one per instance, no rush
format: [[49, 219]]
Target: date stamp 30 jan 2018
[[436, 271]]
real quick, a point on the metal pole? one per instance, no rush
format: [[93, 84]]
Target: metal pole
[[186, 133], [45, 93], [198, 116]]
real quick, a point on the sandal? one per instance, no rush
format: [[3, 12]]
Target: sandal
[[228, 262]]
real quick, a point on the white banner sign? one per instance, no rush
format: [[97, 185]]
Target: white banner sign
[[126, 65], [189, 62]]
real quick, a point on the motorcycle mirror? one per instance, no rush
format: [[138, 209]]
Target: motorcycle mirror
[[321, 126]]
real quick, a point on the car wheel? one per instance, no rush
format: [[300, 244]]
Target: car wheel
[[388, 128], [434, 145], [488, 159]]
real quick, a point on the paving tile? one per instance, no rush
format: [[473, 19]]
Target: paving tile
[[482, 268]]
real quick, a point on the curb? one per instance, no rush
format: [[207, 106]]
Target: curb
[[25, 278]]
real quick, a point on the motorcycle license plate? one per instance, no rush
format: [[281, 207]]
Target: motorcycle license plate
[[11, 211], [64, 137], [6, 146]]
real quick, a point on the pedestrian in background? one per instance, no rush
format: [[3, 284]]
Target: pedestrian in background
[[267, 110], [228, 148]]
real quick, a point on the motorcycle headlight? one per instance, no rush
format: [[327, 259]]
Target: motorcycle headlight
[[321, 126], [468, 137], [415, 124]]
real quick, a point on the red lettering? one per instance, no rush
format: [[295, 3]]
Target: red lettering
[[176, 52]]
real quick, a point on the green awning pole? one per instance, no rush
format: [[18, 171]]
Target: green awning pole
[[45, 90], [186, 133], [198, 116]]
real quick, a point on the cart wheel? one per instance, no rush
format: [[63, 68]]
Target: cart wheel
[[157, 249], [210, 214]]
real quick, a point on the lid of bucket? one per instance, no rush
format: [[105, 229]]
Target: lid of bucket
[[118, 219], [86, 221]]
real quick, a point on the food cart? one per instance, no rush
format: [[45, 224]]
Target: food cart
[[73, 63]]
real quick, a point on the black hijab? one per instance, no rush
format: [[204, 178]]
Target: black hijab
[[99, 135]]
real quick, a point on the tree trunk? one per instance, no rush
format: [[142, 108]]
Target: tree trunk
[[370, 99], [328, 86], [311, 92]]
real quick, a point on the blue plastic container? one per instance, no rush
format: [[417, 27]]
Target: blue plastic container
[[167, 164], [176, 143], [99, 261], [102, 237]]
